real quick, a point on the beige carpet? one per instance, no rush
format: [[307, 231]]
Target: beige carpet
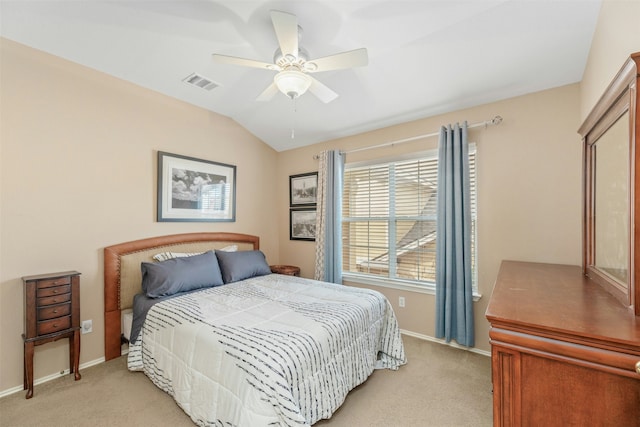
[[440, 386]]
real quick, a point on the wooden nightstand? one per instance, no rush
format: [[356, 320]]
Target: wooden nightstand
[[289, 270], [52, 312]]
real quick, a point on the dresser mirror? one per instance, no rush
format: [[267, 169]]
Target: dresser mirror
[[611, 206], [611, 184]]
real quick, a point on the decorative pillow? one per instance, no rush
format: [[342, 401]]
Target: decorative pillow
[[180, 275], [242, 265], [163, 256]]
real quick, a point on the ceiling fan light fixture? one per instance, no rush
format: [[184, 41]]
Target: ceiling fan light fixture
[[292, 83]]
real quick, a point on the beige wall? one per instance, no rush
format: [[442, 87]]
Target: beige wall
[[529, 194], [617, 35], [78, 173]]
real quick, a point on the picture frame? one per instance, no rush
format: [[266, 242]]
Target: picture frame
[[195, 190], [303, 189], [302, 224]]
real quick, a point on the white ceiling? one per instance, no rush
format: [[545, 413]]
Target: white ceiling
[[425, 57]]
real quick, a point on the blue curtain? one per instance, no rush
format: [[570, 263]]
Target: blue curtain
[[454, 294], [329, 217]]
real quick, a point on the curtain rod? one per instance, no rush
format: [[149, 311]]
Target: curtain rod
[[495, 121]]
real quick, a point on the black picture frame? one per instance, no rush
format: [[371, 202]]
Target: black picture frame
[[195, 190], [302, 224], [303, 189]]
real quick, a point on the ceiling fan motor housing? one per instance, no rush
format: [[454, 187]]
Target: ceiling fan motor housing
[[300, 62]]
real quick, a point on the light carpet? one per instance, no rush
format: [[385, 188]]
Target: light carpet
[[439, 386]]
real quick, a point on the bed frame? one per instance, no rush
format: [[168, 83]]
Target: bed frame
[[122, 276]]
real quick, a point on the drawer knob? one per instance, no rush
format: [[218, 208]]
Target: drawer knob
[[55, 291], [638, 367], [55, 311]]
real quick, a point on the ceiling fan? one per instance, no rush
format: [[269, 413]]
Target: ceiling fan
[[293, 64]]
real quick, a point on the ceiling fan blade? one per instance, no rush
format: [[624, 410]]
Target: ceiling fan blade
[[286, 27], [234, 60], [322, 92], [350, 59], [268, 93]]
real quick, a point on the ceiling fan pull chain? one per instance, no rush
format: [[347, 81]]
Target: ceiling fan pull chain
[[293, 126]]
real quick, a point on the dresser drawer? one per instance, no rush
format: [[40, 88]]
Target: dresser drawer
[[53, 311], [56, 299], [56, 290], [58, 281], [54, 325]]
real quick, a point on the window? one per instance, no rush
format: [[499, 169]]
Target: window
[[389, 220]]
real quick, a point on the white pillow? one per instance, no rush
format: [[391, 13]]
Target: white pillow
[[163, 256]]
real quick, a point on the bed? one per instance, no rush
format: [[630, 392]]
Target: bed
[[256, 349]]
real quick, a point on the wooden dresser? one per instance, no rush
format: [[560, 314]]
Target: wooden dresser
[[52, 312], [564, 351]]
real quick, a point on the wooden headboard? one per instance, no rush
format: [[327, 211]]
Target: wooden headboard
[[122, 274]]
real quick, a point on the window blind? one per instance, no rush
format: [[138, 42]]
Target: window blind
[[389, 218]]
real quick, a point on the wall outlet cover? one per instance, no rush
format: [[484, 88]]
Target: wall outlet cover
[[87, 326]]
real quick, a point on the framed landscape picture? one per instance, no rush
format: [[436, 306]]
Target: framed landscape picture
[[302, 224], [191, 189], [303, 189]]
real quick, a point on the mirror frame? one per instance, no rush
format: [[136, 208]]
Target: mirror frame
[[620, 97]]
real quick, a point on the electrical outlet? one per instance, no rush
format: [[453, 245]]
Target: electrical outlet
[[87, 326], [401, 301]]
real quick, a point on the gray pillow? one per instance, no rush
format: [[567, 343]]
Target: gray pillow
[[242, 265], [176, 275]]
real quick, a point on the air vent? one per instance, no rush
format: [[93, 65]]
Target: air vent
[[200, 81]]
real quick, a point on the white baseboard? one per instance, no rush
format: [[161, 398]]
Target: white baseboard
[[37, 381], [450, 344]]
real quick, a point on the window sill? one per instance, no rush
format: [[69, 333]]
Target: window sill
[[395, 284]]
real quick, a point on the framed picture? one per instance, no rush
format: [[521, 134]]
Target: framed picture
[[302, 224], [303, 189], [191, 189]]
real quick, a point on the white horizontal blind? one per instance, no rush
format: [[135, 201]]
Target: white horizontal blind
[[389, 218]]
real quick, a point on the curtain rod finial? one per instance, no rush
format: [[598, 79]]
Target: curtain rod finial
[[496, 120]]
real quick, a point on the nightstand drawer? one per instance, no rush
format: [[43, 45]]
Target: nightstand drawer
[[57, 290], [54, 325], [56, 299], [53, 311], [58, 281]]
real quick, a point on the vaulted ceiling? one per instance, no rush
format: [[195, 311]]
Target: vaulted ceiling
[[425, 57]]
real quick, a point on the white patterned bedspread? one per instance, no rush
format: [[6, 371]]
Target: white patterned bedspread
[[268, 351]]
